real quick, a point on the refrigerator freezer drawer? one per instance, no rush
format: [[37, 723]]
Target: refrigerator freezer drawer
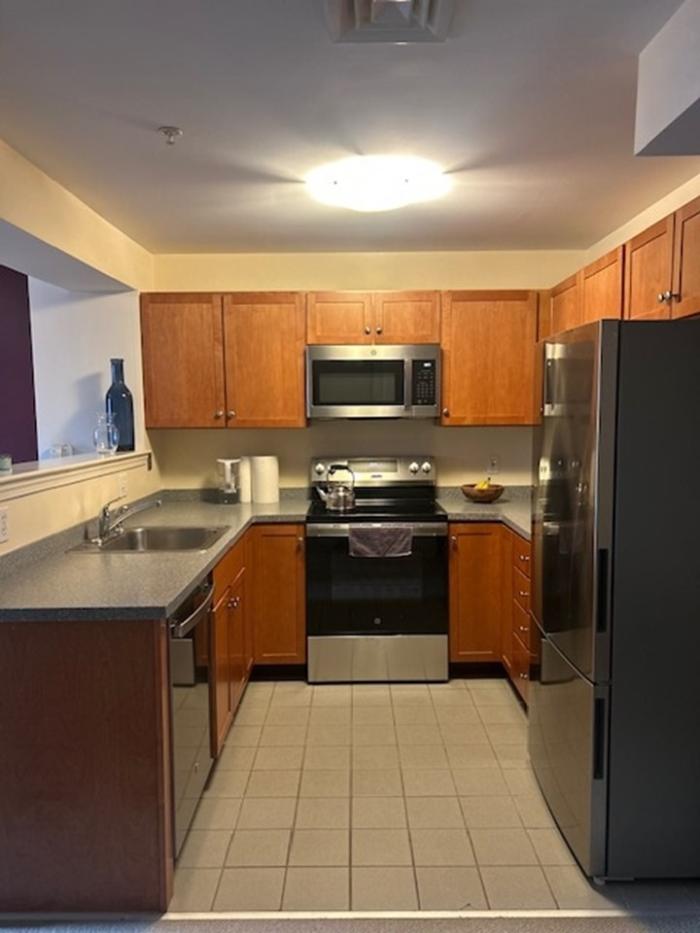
[[568, 748]]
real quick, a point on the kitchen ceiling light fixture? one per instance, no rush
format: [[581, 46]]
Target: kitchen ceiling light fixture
[[377, 183]]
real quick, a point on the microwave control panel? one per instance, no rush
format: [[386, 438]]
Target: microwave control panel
[[424, 382]]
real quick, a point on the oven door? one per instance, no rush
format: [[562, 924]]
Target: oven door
[[376, 618], [376, 595]]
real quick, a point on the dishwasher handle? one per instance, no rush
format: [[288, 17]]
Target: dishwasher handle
[[183, 628]]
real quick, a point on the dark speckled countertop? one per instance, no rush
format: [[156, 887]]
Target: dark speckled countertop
[[48, 581]]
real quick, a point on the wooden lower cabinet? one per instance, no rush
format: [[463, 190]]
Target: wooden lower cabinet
[[516, 620], [229, 639], [279, 594], [476, 582]]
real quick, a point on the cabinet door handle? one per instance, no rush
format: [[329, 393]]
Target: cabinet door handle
[[379, 329], [219, 414], [368, 329], [523, 628], [445, 412], [668, 296], [523, 557], [523, 593], [453, 540], [300, 543], [230, 414]]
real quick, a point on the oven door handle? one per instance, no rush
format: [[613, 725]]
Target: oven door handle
[[341, 530], [181, 629]]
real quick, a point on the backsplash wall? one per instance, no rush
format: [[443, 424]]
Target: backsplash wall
[[187, 459]]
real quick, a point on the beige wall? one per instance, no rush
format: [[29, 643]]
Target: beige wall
[[188, 458], [37, 205], [261, 271], [36, 514]]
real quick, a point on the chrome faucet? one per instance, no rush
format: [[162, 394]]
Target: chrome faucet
[[110, 520]]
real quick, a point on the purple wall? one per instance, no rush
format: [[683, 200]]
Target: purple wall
[[17, 413]]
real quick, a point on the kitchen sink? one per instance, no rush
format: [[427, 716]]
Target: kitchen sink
[[157, 538]]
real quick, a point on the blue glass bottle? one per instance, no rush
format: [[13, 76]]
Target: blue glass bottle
[[120, 405]]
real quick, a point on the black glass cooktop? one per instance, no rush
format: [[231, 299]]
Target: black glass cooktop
[[378, 510]]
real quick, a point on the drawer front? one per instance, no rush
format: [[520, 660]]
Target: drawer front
[[521, 624], [228, 568], [520, 672], [521, 589], [521, 554]]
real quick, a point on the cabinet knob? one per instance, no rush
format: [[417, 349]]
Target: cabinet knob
[[523, 593], [230, 414], [523, 557], [668, 296], [523, 628], [453, 540], [523, 676], [368, 329], [445, 412], [380, 329], [219, 414]]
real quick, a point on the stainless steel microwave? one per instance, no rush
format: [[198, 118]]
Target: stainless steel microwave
[[373, 381]]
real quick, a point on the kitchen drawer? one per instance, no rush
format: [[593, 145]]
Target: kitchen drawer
[[228, 568], [521, 624], [521, 554], [520, 672], [521, 589]]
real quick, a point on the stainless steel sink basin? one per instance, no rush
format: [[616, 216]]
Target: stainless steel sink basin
[[157, 538]]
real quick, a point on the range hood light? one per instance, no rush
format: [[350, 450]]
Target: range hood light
[[377, 183]]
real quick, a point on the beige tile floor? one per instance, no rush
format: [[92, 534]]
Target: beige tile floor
[[401, 797]]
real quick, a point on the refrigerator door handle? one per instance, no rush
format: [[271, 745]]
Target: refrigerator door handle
[[599, 738], [603, 564]]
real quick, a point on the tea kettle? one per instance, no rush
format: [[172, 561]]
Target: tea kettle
[[338, 496]]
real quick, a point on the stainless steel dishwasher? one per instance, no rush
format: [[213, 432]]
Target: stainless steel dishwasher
[[191, 718]]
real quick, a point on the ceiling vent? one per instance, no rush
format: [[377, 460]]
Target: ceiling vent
[[389, 20]]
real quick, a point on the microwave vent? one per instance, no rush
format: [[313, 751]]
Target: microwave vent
[[389, 20]]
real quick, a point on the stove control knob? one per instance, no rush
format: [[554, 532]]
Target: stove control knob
[[320, 469], [426, 467], [413, 467]]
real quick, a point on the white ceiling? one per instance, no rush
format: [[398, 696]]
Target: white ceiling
[[530, 104]]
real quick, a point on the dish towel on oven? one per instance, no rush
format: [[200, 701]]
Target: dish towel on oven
[[382, 541]]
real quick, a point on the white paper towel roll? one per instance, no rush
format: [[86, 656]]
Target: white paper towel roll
[[245, 482], [266, 479]]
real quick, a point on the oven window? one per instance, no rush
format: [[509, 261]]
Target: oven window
[[358, 382]]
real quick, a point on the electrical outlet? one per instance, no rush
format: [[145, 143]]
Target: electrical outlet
[[122, 489], [4, 526], [494, 466]]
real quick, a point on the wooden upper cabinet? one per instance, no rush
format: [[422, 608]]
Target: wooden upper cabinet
[[488, 358], [373, 317], [686, 261], [601, 288], [648, 272], [183, 366], [544, 313], [264, 359], [406, 317], [279, 595], [566, 305], [476, 591], [339, 317]]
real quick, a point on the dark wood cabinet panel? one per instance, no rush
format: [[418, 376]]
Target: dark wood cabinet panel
[[476, 583], [488, 357], [85, 787], [279, 598], [183, 368]]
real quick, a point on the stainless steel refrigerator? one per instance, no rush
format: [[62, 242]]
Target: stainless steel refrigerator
[[615, 697]]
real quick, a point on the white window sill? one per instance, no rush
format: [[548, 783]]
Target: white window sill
[[29, 478]]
